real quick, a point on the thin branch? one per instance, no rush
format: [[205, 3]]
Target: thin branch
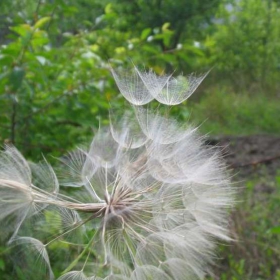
[[68, 122], [255, 162], [81, 254], [44, 148], [44, 107], [36, 11], [52, 14], [13, 120]]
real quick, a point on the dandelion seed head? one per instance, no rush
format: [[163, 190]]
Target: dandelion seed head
[[146, 200]]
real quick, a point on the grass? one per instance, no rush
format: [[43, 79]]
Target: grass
[[255, 223], [255, 226], [228, 113]]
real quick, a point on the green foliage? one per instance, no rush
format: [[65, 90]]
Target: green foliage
[[55, 82], [187, 18], [56, 87], [245, 45], [48, 90], [256, 254], [224, 112]]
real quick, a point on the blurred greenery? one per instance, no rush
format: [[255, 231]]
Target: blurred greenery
[[56, 86], [255, 253], [56, 55]]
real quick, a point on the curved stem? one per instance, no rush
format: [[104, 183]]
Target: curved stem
[[80, 256], [80, 224]]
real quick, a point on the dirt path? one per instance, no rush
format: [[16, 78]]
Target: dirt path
[[256, 162], [251, 155]]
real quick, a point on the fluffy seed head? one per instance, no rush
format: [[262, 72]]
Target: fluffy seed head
[[146, 200]]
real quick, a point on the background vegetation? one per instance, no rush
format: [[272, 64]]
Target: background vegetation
[[56, 87]]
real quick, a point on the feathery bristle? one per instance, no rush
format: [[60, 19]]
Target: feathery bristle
[[151, 196]]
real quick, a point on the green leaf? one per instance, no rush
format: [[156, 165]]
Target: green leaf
[[4, 75], [108, 9], [278, 180], [16, 77], [274, 230], [2, 264], [165, 26], [22, 29], [40, 38], [145, 33], [41, 22]]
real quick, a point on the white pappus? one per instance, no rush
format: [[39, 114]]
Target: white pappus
[[146, 200]]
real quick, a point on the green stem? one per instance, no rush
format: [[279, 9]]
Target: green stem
[[59, 236], [80, 256]]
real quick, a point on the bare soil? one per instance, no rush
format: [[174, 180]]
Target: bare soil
[[251, 156]]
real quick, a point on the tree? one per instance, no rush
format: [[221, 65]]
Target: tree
[[245, 47]]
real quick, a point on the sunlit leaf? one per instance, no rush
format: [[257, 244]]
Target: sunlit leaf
[[41, 22]]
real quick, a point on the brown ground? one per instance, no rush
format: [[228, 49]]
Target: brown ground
[[254, 159], [251, 155]]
